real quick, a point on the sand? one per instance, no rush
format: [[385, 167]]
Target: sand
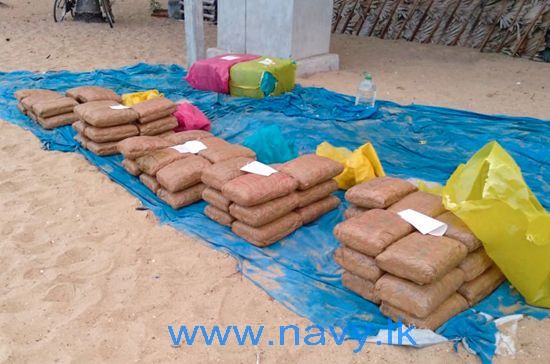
[[86, 277]]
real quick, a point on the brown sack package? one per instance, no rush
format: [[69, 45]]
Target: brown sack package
[[92, 93], [23, 93], [421, 258], [183, 198], [216, 199], [252, 189], [353, 211], [182, 173], [316, 193], [135, 147], [419, 301], [219, 216], [131, 167], [158, 126], [357, 263], [223, 153], [110, 134], [269, 233], [21, 108], [79, 126], [476, 290], [361, 286], [186, 136], [101, 149], [153, 161], [54, 107], [154, 109], [459, 231], [475, 264], [379, 193], [150, 182], [264, 213], [317, 209], [57, 121], [420, 201], [29, 101], [101, 115], [451, 307], [219, 174], [371, 232], [310, 170]]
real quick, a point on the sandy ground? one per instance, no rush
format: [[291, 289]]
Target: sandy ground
[[86, 277]]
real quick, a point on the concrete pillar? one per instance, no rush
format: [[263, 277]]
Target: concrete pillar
[[194, 31]]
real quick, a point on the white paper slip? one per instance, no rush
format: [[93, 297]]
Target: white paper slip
[[193, 146], [259, 168], [119, 107], [267, 62], [230, 58], [180, 148], [423, 223]]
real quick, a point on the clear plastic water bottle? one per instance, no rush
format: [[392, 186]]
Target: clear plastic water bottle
[[366, 92]]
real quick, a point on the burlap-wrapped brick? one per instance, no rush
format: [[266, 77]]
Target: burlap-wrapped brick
[[451, 307], [110, 134], [219, 174], [135, 147], [353, 211], [216, 199], [131, 167], [23, 93], [29, 101], [475, 264], [101, 115], [419, 301], [357, 263], [269, 233], [264, 213], [459, 231], [158, 126], [150, 182], [53, 107], [93, 93], [57, 121], [154, 109], [379, 193], [153, 161], [371, 232], [310, 170], [101, 149], [21, 108], [182, 173], [219, 216], [183, 198], [317, 209], [79, 126], [252, 189], [421, 258], [361, 286], [479, 288], [186, 136], [226, 152], [420, 201], [316, 193]]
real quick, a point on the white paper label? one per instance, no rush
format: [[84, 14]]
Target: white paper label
[[230, 58], [267, 62], [424, 224], [119, 107], [193, 146], [259, 168]]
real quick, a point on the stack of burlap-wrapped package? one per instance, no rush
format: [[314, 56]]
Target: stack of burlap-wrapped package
[[48, 108], [172, 172], [155, 116], [421, 279], [264, 209]]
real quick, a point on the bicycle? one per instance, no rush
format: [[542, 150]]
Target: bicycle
[[63, 7]]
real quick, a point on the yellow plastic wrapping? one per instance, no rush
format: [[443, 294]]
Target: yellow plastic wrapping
[[137, 97], [490, 195], [360, 165]]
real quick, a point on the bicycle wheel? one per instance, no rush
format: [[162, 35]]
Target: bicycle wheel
[[106, 6], [59, 10]]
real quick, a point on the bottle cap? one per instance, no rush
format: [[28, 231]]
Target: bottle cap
[[368, 76]]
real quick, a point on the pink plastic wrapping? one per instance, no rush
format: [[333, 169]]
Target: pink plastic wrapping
[[190, 118]]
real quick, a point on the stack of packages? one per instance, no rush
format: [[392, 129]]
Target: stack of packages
[[264, 209], [172, 173], [48, 108], [155, 116], [84, 94], [420, 279]]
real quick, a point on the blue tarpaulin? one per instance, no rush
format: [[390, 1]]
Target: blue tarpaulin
[[412, 141]]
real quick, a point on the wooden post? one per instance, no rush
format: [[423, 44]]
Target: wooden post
[[194, 31]]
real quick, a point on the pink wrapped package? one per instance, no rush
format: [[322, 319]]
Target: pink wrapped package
[[190, 118], [212, 74]]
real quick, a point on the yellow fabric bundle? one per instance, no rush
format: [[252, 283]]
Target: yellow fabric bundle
[[137, 97]]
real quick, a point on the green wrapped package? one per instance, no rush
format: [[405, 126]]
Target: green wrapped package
[[266, 76]]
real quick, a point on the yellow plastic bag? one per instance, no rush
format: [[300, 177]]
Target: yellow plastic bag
[[137, 97], [360, 165], [490, 195]]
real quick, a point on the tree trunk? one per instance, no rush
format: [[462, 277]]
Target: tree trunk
[[88, 11]]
